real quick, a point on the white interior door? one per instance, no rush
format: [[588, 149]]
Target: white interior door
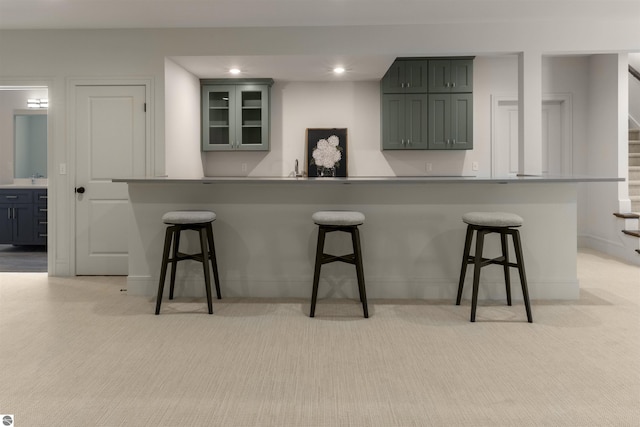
[[555, 144], [110, 143]]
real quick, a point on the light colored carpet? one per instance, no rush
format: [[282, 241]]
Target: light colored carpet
[[80, 352]]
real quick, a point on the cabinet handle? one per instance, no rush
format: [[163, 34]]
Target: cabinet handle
[[11, 197], [453, 84], [42, 222], [408, 84], [43, 197], [401, 84], [42, 235], [43, 209]]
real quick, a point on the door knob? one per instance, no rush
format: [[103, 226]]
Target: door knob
[[79, 190]]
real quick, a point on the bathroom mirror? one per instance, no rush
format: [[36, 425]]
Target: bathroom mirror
[[30, 144]]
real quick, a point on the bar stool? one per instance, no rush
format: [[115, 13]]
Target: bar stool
[[348, 222], [178, 221], [502, 223]]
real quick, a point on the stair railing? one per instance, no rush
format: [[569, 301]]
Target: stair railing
[[635, 73]]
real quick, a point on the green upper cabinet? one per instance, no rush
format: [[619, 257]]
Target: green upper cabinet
[[235, 114], [406, 76], [427, 104], [451, 121], [450, 75], [404, 121]]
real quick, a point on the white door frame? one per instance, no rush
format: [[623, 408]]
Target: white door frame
[[566, 103], [72, 85]]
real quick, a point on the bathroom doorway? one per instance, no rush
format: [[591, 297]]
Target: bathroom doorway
[[23, 178]]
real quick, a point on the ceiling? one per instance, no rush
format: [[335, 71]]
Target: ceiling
[[309, 68], [119, 14], [92, 14]]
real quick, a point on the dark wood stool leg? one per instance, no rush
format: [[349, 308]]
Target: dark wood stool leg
[[214, 261], [174, 260], [205, 266], [476, 271], [163, 269], [523, 278], [465, 262], [505, 255], [357, 250], [316, 273]]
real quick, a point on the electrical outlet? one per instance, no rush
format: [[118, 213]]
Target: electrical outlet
[[428, 167], [475, 166], [63, 168]]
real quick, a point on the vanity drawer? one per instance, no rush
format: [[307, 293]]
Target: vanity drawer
[[16, 196]]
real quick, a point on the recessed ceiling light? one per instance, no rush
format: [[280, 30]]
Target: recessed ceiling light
[[235, 71], [338, 70]]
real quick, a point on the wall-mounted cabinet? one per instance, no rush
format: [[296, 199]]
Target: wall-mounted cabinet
[[450, 121], [427, 104], [406, 76], [450, 76], [404, 121], [235, 114]]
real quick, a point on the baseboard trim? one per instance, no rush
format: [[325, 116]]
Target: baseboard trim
[[414, 288]]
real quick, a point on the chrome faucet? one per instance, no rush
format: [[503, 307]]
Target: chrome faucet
[[296, 171]]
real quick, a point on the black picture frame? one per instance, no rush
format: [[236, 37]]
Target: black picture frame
[[327, 152]]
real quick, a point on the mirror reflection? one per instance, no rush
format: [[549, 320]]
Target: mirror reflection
[[30, 144]]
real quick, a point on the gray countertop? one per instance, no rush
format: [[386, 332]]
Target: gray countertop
[[22, 187], [371, 180]]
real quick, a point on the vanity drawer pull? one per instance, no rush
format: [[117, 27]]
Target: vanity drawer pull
[[42, 234], [11, 197], [43, 209], [43, 196], [43, 222]]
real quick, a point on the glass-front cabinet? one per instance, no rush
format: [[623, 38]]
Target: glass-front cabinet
[[235, 115]]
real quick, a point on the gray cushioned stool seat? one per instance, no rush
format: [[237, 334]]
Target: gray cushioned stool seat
[[188, 217], [493, 219], [338, 218]]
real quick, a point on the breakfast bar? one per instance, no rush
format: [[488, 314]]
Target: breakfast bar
[[412, 241]]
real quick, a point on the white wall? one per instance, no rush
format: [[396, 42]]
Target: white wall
[[634, 93], [606, 154], [182, 122]]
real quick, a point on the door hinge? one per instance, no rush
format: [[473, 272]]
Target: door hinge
[[145, 107]]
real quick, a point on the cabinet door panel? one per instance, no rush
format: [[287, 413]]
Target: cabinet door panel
[[23, 224], [253, 118], [393, 80], [439, 75], [439, 121], [462, 121], [393, 122], [462, 75], [6, 224], [416, 121], [416, 76], [218, 117]]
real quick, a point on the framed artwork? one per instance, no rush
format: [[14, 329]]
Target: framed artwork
[[327, 152]]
